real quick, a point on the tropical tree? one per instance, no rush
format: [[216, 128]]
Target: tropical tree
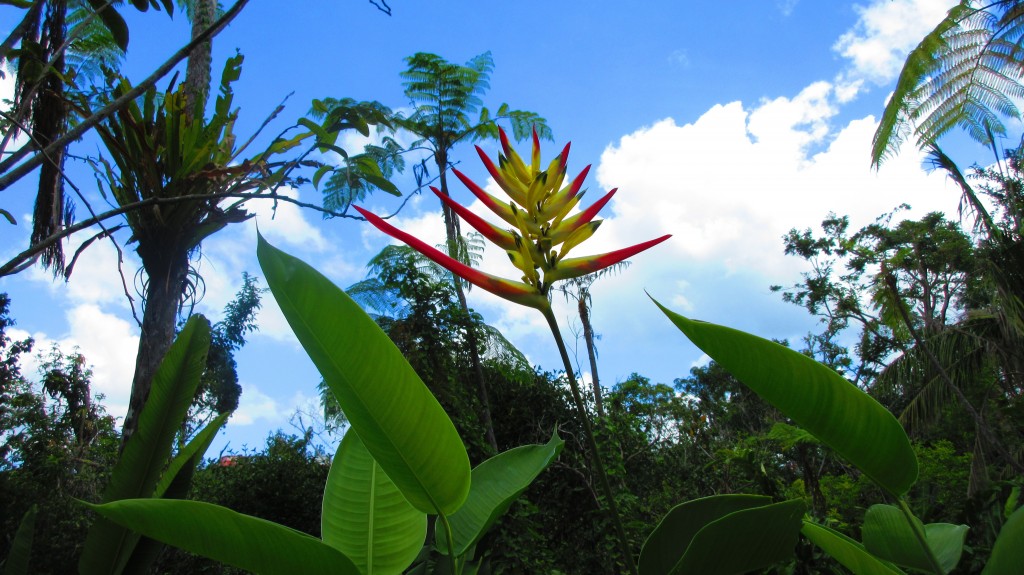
[[964, 73], [52, 35], [446, 97], [219, 391]]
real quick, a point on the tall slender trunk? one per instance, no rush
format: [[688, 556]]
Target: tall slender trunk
[[588, 337], [197, 71], [454, 235], [164, 254], [166, 265]]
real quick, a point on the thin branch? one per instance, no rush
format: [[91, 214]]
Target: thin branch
[[382, 5], [12, 174], [16, 263]]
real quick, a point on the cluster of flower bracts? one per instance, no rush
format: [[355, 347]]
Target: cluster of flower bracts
[[543, 226]]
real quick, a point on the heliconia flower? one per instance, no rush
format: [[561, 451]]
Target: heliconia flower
[[542, 226]]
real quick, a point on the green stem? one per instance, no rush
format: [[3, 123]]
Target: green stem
[[921, 537], [454, 562], [595, 456]]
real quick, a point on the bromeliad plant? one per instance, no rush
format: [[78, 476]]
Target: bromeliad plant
[[543, 228]]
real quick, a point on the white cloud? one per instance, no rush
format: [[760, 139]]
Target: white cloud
[[287, 224], [730, 184], [108, 344], [255, 405], [885, 33], [95, 278]]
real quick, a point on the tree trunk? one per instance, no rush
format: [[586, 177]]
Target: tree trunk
[[588, 337], [453, 235], [197, 72], [167, 268]]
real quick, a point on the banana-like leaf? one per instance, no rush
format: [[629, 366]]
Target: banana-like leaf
[[174, 484], [1008, 552], [107, 546], [366, 517], [887, 535], [815, 397], [401, 424], [497, 483], [21, 548], [190, 455], [744, 540], [851, 554], [223, 535], [667, 544]]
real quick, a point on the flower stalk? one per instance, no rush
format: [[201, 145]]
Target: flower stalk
[[544, 225]]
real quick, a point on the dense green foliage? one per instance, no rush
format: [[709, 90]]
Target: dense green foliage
[[56, 445]]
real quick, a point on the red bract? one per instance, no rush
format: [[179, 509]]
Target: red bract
[[517, 292]]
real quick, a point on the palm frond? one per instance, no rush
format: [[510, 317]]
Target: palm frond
[[964, 354]]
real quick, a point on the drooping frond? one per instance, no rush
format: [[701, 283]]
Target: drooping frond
[[962, 352], [501, 353], [965, 73], [969, 201]]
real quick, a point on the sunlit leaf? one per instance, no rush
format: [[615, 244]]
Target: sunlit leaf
[[400, 422], [223, 535], [815, 397], [366, 517], [497, 483], [107, 546]]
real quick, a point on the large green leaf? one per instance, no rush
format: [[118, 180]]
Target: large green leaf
[[497, 483], [887, 535], [667, 544], [174, 484], [223, 535], [851, 554], [189, 456], [815, 398], [21, 548], [1008, 552], [365, 516], [402, 425], [107, 546], [744, 540]]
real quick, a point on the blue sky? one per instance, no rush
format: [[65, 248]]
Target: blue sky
[[725, 128]]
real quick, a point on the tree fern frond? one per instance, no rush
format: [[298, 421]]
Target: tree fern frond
[[920, 64], [497, 348], [966, 72]]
